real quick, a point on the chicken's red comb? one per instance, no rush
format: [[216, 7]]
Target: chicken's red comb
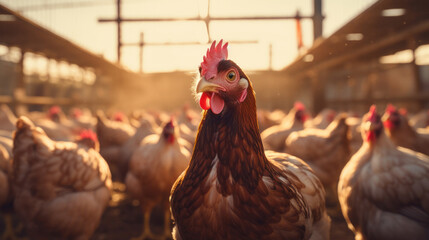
[[403, 111], [299, 106], [88, 134], [77, 113], [54, 110], [372, 113], [390, 109], [118, 117], [212, 58]]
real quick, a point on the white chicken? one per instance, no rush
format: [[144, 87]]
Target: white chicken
[[274, 137], [153, 168], [384, 189]]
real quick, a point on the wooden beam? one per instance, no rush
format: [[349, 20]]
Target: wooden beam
[[6, 99], [359, 52], [38, 100], [102, 20]]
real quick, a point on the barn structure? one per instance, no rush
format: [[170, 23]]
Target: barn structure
[[351, 68], [348, 70]]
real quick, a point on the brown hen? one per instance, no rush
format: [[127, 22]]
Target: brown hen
[[61, 188], [232, 189]]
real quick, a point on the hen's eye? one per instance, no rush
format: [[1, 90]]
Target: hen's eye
[[230, 76]]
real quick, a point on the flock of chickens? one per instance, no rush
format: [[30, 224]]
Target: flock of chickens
[[232, 172]]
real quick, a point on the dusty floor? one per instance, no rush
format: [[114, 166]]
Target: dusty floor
[[122, 220]]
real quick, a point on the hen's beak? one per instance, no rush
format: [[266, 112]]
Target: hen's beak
[[206, 86]]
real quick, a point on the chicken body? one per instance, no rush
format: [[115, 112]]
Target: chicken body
[[61, 188], [326, 151], [127, 149], [232, 189], [402, 134], [113, 135], [384, 189], [5, 170], [153, 168], [6, 196], [322, 120], [274, 137]]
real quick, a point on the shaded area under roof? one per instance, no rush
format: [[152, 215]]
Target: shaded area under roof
[[380, 36], [18, 31]]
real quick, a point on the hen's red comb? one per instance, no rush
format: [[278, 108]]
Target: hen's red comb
[[372, 113], [118, 117], [213, 56], [299, 106], [54, 110], [88, 134], [390, 109], [77, 113], [403, 111]]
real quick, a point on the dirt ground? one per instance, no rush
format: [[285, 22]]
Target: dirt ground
[[122, 220]]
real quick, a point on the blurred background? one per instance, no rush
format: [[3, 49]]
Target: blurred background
[[342, 54]]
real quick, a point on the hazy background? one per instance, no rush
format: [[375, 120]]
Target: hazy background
[[77, 20]]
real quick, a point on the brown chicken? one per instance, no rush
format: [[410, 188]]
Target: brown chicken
[[7, 143], [56, 125], [146, 128], [274, 137], [112, 136], [154, 167], [112, 133], [5, 170], [325, 150], [60, 188], [402, 134], [384, 189], [6, 193], [232, 189]]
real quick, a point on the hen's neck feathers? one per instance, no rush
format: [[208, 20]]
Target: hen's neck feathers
[[234, 137]]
